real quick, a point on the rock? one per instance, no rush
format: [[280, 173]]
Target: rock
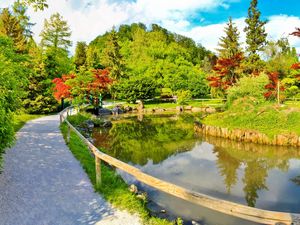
[[188, 107], [117, 110], [210, 110], [197, 109], [107, 123], [160, 110], [88, 124], [143, 196], [104, 111], [179, 108], [140, 106], [163, 211], [133, 189], [128, 109]]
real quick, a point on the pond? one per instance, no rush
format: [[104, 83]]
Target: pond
[[167, 147]]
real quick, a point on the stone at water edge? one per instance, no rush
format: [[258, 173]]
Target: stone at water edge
[[179, 108], [89, 124], [128, 109], [188, 107], [133, 189], [143, 196], [107, 123]]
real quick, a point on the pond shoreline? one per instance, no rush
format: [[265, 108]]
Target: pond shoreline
[[250, 136]]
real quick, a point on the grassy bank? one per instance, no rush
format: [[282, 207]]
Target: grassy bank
[[21, 118], [266, 118], [172, 105], [113, 188]]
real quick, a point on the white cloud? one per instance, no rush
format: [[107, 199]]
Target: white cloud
[[97, 16], [87, 19], [278, 26]]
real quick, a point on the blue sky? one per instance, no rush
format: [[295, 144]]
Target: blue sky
[[240, 9], [202, 20]]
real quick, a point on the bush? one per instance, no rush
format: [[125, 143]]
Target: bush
[[135, 88], [166, 93], [79, 118], [183, 97], [248, 87]]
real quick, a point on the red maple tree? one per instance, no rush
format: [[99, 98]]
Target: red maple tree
[[61, 89], [296, 32], [225, 72], [272, 87], [296, 66], [101, 81]]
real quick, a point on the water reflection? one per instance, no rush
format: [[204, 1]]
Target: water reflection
[[165, 146]]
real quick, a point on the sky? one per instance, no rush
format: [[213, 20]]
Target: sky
[[202, 20]]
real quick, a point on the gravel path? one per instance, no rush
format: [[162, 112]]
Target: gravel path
[[43, 184]]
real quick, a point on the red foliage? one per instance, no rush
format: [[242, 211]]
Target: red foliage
[[296, 33], [225, 72], [272, 86], [296, 66], [62, 90], [101, 81]]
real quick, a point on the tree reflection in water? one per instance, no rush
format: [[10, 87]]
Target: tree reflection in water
[[137, 140]]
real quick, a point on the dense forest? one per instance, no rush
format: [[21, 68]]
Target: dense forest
[[131, 62]]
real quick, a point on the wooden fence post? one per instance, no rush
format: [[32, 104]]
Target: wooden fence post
[[68, 134], [98, 171]]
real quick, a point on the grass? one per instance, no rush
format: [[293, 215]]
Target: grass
[[113, 188], [21, 118], [266, 118], [292, 103], [172, 105]]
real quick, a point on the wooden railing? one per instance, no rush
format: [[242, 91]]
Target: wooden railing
[[241, 211]]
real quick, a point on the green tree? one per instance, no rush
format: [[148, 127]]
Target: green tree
[[12, 80], [56, 33], [255, 37], [80, 54], [56, 62], [39, 99], [19, 11], [135, 89], [112, 57], [229, 45], [11, 27], [37, 4]]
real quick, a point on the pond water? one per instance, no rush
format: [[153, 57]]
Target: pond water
[[166, 147]]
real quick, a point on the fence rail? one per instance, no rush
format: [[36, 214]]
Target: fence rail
[[223, 206]]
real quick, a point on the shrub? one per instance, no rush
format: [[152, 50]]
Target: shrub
[[248, 87], [79, 118], [183, 96]]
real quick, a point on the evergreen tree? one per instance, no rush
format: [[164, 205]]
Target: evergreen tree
[[255, 36], [229, 44], [112, 57], [37, 4], [19, 10], [11, 27], [80, 54], [56, 33]]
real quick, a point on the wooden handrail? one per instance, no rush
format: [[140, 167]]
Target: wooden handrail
[[234, 209]]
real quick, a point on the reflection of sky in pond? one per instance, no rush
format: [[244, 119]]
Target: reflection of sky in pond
[[250, 174], [197, 170]]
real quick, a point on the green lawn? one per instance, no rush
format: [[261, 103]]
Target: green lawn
[[170, 105], [292, 103], [268, 118], [113, 188], [21, 118]]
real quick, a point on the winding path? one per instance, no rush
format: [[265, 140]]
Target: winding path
[[43, 184]]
